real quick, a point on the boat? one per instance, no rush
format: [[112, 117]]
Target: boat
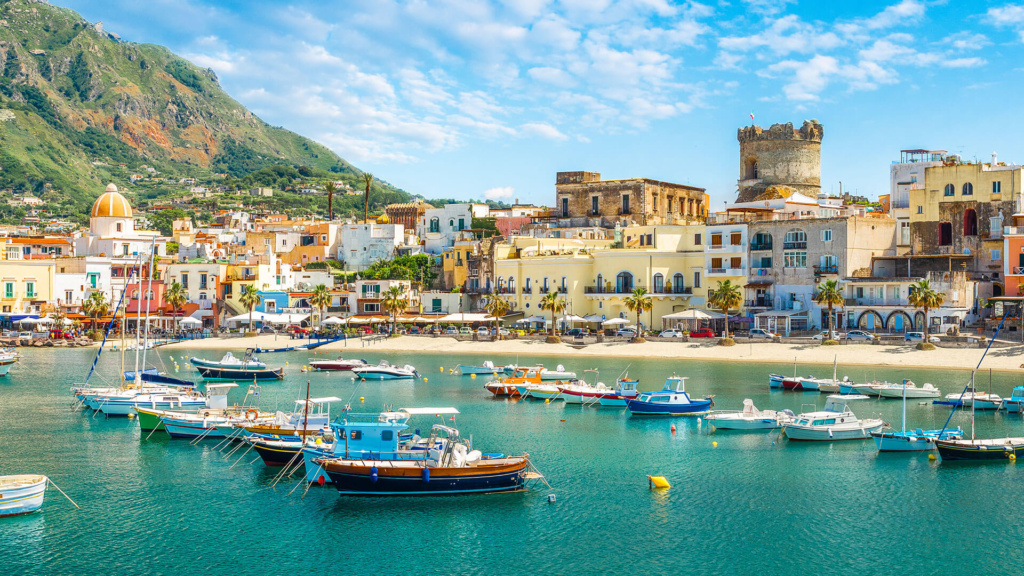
[[835, 422], [559, 373], [216, 404], [976, 400], [981, 449], [153, 376], [1014, 403], [21, 493], [277, 450], [917, 440], [541, 391], [907, 390], [230, 361], [309, 417], [866, 388], [583, 392], [832, 386], [451, 467], [749, 418], [510, 385], [310, 346], [487, 369], [809, 383], [8, 358], [125, 402], [386, 371], [671, 400], [625, 390], [368, 437], [240, 374], [339, 365], [775, 381]]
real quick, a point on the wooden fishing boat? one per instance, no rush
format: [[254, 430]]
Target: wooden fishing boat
[[21, 493], [339, 365], [511, 385]]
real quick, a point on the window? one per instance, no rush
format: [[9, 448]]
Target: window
[[93, 280], [125, 249], [435, 225], [736, 238], [696, 239], [8, 289], [716, 240], [451, 223], [371, 307], [950, 190], [920, 209], [594, 205], [970, 222], [355, 435], [202, 281], [202, 295], [735, 263], [794, 259], [135, 294], [387, 435], [658, 283], [968, 189], [904, 233], [678, 283], [68, 296], [997, 187], [995, 254], [266, 242], [512, 284], [184, 281], [761, 241], [826, 235], [625, 204], [696, 279], [716, 265], [271, 307], [119, 226], [30, 289], [795, 239], [829, 263], [624, 283], [766, 262], [565, 207], [945, 234], [462, 223]]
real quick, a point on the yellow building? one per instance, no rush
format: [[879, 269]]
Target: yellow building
[[25, 285], [455, 263], [595, 278], [958, 183]]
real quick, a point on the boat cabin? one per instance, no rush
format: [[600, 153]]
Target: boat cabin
[[378, 436], [673, 392]]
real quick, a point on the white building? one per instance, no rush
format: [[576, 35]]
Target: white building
[[364, 244], [75, 278], [439, 227], [112, 230]]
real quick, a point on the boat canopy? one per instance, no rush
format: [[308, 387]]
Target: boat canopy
[[324, 400], [419, 411]]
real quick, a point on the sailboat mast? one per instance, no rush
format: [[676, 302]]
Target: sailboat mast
[[974, 399], [124, 323], [138, 331], [305, 420], [149, 298], [904, 406]]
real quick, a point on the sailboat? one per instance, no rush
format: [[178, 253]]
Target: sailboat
[[979, 448], [914, 440]]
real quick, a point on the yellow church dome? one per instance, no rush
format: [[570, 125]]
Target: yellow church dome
[[111, 204], [382, 219]]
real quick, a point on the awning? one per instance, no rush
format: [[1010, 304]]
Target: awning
[[615, 321], [466, 317], [693, 314], [758, 284], [781, 313]]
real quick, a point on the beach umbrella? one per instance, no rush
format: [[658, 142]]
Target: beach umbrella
[[615, 321], [333, 320], [189, 321]]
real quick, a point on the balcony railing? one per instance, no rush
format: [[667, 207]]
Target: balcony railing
[[826, 269], [716, 270], [338, 308], [760, 245], [759, 303], [608, 290], [673, 290], [801, 245], [528, 290], [760, 272], [563, 290], [716, 246], [1018, 269]]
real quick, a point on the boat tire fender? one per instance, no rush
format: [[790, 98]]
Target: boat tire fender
[[426, 475], [251, 414], [373, 474]]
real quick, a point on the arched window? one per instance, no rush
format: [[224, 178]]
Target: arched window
[[678, 283], [968, 189], [451, 223], [600, 283], [500, 284], [945, 234], [435, 225], [949, 191], [795, 239], [624, 283], [512, 284], [761, 241], [135, 294], [659, 283], [149, 294], [970, 222]]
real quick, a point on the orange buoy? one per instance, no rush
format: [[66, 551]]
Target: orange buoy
[[673, 428]]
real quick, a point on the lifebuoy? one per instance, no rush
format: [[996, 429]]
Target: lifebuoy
[[206, 414], [251, 415]]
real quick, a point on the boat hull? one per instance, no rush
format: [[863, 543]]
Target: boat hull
[[744, 423], [384, 478], [614, 401], [126, 406], [278, 453], [818, 435], [22, 499], [912, 441], [503, 390], [775, 381], [1013, 406], [5, 366], [236, 374], [334, 365], [366, 375], [693, 408], [964, 450], [148, 420], [478, 370], [911, 393]]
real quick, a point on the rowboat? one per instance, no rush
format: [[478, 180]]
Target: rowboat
[[21, 493], [671, 400]]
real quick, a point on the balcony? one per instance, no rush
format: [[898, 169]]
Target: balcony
[[821, 270], [1013, 230], [681, 290], [344, 308], [716, 246], [528, 290], [563, 290], [765, 303], [716, 270], [741, 271], [608, 290], [760, 246], [802, 245], [760, 272]]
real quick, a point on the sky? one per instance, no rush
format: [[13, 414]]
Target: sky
[[474, 99]]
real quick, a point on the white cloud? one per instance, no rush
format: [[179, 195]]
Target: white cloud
[[1009, 15], [501, 193], [553, 76], [966, 40], [785, 35], [543, 130], [767, 7], [962, 63]]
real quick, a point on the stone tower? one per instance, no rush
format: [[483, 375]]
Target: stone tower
[[779, 160]]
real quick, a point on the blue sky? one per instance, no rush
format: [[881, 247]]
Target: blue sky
[[467, 98]]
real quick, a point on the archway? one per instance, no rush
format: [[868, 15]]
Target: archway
[[970, 222]]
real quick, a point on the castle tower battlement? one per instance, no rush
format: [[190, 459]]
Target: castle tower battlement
[[780, 158]]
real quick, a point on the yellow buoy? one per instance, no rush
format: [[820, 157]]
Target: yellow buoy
[[658, 482], [442, 368], [472, 376], [131, 415], [286, 363], [714, 444], [361, 398], [425, 379], [547, 400], [1012, 456], [931, 456]]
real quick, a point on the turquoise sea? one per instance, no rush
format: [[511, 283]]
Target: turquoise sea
[[751, 505]]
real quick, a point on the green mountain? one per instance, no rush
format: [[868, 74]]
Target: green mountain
[[79, 107]]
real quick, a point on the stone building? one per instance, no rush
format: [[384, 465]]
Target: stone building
[[779, 158], [589, 201], [407, 214]]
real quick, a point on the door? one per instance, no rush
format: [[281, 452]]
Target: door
[[898, 325], [871, 322]]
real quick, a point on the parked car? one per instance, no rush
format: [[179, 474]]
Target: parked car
[[365, 330], [504, 332], [626, 332], [267, 330], [483, 331], [413, 330], [919, 337], [759, 333], [702, 333], [452, 331], [823, 335], [670, 333], [859, 335], [466, 331], [577, 332]]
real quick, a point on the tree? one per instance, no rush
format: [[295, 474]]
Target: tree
[[923, 296], [552, 301], [497, 307], [58, 320], [95, 306], [250, 298], [330, 188], [726, 297], [176, 296], [367, 180], [830, 295], [638, 302], [320, 298], [393, 301]]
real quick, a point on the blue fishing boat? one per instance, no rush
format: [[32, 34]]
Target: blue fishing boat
[[1015, 402], [672, 400], [775, 380]]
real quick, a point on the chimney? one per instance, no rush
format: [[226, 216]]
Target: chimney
[[994, 158]]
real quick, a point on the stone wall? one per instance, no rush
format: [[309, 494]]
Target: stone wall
[[650, 202], [780, 156]]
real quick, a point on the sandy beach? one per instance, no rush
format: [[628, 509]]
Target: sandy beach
[[1004, 358]]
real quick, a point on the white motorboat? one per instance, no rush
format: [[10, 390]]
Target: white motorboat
[[542, 391], [750, 418], [908, 390], [980, 400], [125, 402], [580, 392], [8, 357], [868, 388], [486, 369], [559, 373], [249, 361], [835, 422], [21, 493], [386, 371]]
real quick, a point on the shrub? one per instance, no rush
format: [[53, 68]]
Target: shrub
[[726, 342]]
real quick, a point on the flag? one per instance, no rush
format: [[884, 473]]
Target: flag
[[751, 115]]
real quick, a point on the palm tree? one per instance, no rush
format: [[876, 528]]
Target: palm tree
[[829, 294], [922, 296], [726, 297], [320, 298], [176, 296], [638, 302], [367, 179], [250, 298], [58, 320], [551, 301], [330, 188], [393, 301], [497, 307], [95, 306]]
